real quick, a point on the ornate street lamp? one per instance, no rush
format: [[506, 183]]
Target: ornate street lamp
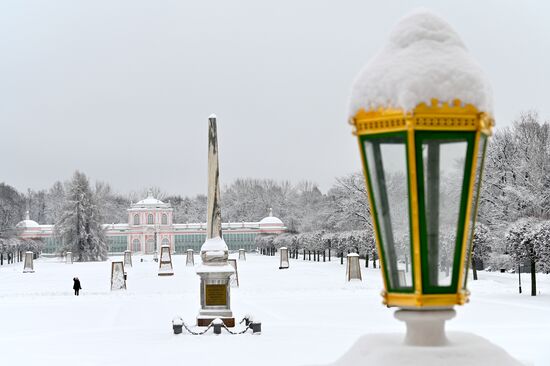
[[421, 110], [423, 168], [422, 141]]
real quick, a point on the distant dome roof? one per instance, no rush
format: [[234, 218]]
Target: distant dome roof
[[271, 220], [150, 200], [27, 223]]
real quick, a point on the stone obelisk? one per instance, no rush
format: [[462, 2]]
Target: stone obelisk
[[215, 271]]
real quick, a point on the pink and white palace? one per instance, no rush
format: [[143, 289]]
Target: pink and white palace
[[150, 225]]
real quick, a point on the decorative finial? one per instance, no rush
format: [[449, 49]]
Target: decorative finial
[[27, 215], [149, 194], [270, 212]]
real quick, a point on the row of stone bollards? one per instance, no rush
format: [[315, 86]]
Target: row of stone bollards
[[353, 270]]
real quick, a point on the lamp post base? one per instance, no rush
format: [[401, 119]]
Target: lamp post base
[[389, 350], [425, 327]]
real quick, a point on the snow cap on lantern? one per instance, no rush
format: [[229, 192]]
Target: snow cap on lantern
[[424, 59]]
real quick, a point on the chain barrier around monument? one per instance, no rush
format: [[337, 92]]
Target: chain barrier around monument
[[217, 324]]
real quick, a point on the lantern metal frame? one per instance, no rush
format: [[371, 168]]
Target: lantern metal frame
[[445, 122]]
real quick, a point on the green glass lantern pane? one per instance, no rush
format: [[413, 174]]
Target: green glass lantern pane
[[443, 165], [473, 209], [387, 170]]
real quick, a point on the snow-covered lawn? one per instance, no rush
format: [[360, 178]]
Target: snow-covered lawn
[[309, 315]]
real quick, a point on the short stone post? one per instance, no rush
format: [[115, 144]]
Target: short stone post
[[165, 262], [234, 278], [28, 266], [190, 260], [242, 254], [127, 258], [118, 281], [353, 270], [283, 254], [69, 258]]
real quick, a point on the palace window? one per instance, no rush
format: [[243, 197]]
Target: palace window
[[150, 219], [136, 219], [164, 219], [136, 247]]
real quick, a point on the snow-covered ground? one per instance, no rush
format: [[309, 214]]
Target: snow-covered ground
[[309, 315]]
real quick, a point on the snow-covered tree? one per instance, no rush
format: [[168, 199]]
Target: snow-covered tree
[[349, 204], [481, 248], [79, 227], [539, 254], [516, 183], [55, 200], [523, 239], [113, 207], [12, 207]]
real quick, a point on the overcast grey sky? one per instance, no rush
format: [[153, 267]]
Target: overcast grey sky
[[121, 90]]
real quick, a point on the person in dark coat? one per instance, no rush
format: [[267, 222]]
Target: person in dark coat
[[76, 286]]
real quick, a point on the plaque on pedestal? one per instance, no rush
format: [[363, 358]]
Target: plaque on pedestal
[[215, 294]]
